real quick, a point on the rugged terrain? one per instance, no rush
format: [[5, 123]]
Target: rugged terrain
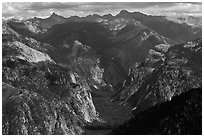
[[88, 75], [180, 116], [163, 75], [53, 98]]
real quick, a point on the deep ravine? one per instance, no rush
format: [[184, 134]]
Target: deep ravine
[[100, 75], [111, 114]]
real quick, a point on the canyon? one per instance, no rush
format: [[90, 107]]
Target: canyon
[[101, 75]]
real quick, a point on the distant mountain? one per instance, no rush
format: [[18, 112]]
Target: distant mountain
[[194, 22], [170, 29], [190, 20], [50, 21]]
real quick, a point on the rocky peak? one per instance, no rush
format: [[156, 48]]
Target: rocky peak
[[50, 21], [108, 16], [124, 12], [57, 17], [130, 15], [54, 15], [96, 15]]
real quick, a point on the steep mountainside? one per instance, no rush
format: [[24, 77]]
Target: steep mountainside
[[44, 97], [23, 47], [125, 40], [121, 40], [132, 41], [26, 112], [85, 75], [163, 75], [169, 29], [180, 116], [11, 34], [124, 34]]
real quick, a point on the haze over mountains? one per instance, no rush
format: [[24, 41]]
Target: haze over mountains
[[26, 10], [89, 75]]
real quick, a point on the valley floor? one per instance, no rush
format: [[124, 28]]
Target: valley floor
[[111, 114]]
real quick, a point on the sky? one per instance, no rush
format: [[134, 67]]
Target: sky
[[25, 10]]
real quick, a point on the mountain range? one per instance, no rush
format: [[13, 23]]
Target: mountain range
[[55, 70]]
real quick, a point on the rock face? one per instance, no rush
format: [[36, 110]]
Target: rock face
[[22, 47], [26, 53], [52, 66], [10, 34], [180, 116], [47, 84], [44, 97], [163, 75], [31, 113], [27, 27], [90, 70]]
